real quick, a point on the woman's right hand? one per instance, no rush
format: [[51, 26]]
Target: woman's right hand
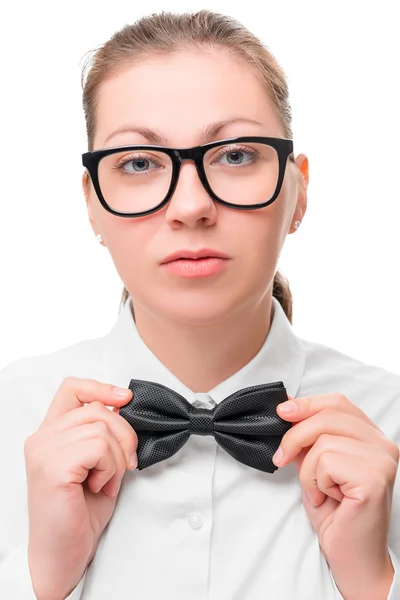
[[74, 465]]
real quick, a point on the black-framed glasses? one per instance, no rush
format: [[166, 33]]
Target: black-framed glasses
[[245, 173]]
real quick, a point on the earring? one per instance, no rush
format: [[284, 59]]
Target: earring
[[297, 224], [99, 237]]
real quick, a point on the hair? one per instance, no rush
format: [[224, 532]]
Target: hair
[[166, 33]]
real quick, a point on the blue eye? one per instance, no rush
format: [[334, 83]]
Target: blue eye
[[140, 164], [235, 157]]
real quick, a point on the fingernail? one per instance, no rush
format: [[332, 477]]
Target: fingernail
[[133, 461], [121, 392], [278, 455], [288, 408]]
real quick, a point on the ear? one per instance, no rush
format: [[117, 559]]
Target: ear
[[302, 163], [301, 204], [87, 191], [86, 185]]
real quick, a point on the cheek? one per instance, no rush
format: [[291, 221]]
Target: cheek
[[260, 232], [129, 242]]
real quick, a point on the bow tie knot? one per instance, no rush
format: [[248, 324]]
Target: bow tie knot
[[201, 421]]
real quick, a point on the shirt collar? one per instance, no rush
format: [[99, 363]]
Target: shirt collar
[[281, 358]]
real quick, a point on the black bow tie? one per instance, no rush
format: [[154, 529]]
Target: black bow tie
[[245, 424]]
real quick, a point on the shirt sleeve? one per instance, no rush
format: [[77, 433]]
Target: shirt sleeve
[[394, 592], [15, 578]]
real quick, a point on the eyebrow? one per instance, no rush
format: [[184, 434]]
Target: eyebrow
[[156, 138]]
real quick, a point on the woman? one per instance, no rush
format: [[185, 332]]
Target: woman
[[196, 236]]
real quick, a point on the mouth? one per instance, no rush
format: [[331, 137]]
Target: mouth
[[200, 263], [194, 255]]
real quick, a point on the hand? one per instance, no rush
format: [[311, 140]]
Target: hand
[[74, 463], [347, 469]]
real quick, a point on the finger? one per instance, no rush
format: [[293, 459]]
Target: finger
[[74, 392], [101, 480], [302, 408], [107, 471], [119, 427], [354, 479], [365, 495], [338, 445], [306, 433]]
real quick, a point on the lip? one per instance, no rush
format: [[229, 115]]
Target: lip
[[194, 254], [201, 267]]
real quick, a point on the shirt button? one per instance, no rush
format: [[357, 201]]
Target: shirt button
[[195, 521]]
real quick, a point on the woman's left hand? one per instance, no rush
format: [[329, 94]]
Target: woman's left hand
[[347, 469]]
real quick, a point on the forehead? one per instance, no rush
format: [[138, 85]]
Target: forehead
[[180, 95]]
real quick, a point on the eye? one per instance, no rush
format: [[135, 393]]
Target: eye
[[137, 164], [235, 156]]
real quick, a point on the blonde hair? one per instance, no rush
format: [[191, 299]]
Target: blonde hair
[[164, 33]]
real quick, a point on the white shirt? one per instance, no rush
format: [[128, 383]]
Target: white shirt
[[199, 525]]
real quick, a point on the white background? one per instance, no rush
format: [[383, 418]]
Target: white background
[[58, 284]]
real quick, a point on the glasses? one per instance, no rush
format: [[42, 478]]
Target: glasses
[[245, 173]]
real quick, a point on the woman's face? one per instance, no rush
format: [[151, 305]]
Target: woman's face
[[180, 96]]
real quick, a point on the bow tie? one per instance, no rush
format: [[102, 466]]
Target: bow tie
[[245, 424]]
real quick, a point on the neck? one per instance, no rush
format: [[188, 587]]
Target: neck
[[201, 357]]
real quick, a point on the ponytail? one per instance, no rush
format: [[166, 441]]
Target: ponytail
[[281, 291]]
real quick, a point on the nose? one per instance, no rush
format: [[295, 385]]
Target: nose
[[190, 204]]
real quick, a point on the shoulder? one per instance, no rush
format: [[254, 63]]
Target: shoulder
[[28, 384], [335, 367], [374, 389], [79, 357]]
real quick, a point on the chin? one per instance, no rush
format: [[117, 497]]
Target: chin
[[197, 311]]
